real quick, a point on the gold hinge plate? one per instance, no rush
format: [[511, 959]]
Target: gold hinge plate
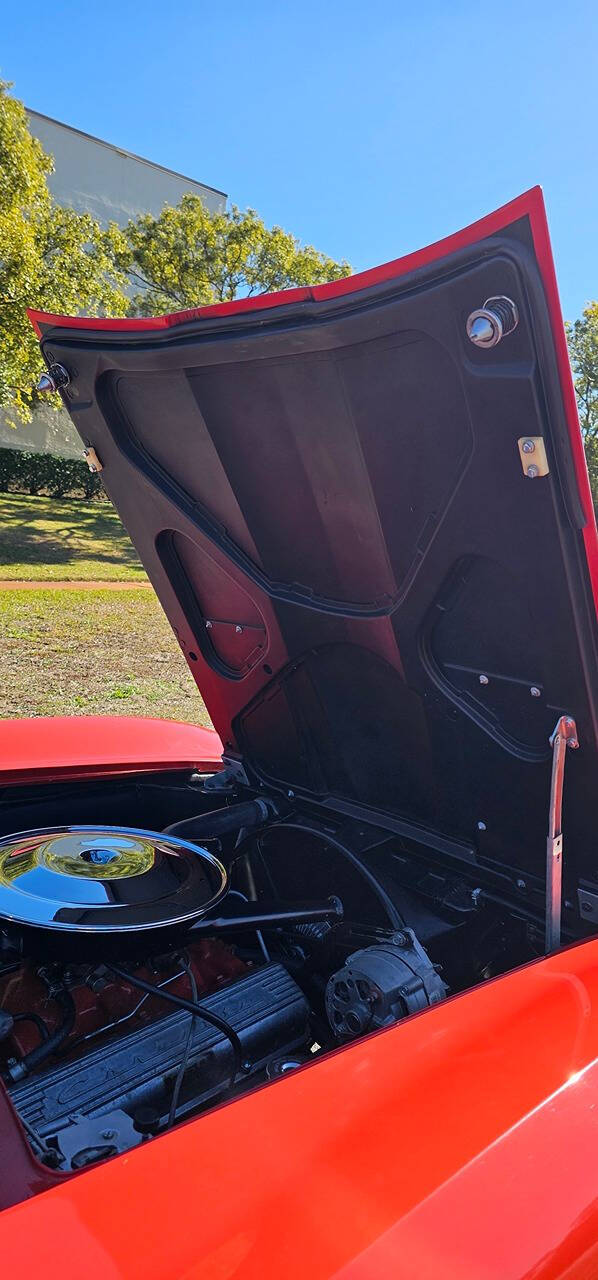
[[93, 461], [532, 453]]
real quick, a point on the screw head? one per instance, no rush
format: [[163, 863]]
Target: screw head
[[532, 471], [239, 630], [528, 446], [208, 625], [484, 680], [535, 691], [481, 826], [521, 885]]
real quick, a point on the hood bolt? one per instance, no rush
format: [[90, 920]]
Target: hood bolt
[[481, 330], [489, 324], [532, 471], [528, 446], [55, 378]]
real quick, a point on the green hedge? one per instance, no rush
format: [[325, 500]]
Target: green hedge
[[22, 472]]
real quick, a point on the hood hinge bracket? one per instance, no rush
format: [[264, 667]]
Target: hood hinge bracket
[[564, 736], [92, 460]]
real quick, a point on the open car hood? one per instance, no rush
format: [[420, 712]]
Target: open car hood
[[380, 607]]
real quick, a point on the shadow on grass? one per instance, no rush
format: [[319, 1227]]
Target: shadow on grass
[[36, 548], [86, 533], [99, 519]]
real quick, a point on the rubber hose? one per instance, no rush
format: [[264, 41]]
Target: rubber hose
[[384, 898], [220, 822], [38, 1022], [49, 1046], [190, 1006]]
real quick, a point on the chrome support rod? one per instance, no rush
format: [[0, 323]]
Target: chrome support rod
[[564, 736]]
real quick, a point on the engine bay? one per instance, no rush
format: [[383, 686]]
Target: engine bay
[[327, 928]]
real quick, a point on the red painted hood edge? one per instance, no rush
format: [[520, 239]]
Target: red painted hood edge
[[530, 204], [45, 750]]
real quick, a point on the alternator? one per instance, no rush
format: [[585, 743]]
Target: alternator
[[380, 985]]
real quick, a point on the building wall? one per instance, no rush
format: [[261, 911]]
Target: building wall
[[95, 177], [113, 185]]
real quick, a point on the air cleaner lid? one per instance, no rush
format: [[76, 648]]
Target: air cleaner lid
[[105, 880]]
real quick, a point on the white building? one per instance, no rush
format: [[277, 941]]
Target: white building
[[98, 178]]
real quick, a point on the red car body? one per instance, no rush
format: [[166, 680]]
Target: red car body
[[458, 1143]]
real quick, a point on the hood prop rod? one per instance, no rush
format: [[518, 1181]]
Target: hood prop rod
[[564, 736], [272, 918]]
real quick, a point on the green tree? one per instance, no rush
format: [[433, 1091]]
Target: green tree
[[188, 257], [583, 349], [55, 259], [51, 258]]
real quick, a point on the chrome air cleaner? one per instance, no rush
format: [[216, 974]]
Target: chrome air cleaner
[[105, 883]]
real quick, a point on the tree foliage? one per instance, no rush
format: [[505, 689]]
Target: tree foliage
[[58, 260], [188, 257], [32, 473], [51, 258], [583, 349]]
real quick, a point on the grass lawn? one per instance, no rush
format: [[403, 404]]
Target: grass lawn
[[66, 540], [92, 652]]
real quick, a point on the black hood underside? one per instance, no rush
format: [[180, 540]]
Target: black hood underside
[[376, 602]]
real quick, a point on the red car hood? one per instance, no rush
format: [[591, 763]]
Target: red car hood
[[327, 489]]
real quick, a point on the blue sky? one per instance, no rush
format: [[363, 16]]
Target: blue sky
[[368, 129]]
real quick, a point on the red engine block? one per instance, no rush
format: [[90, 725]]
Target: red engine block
[[101, 1000]]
